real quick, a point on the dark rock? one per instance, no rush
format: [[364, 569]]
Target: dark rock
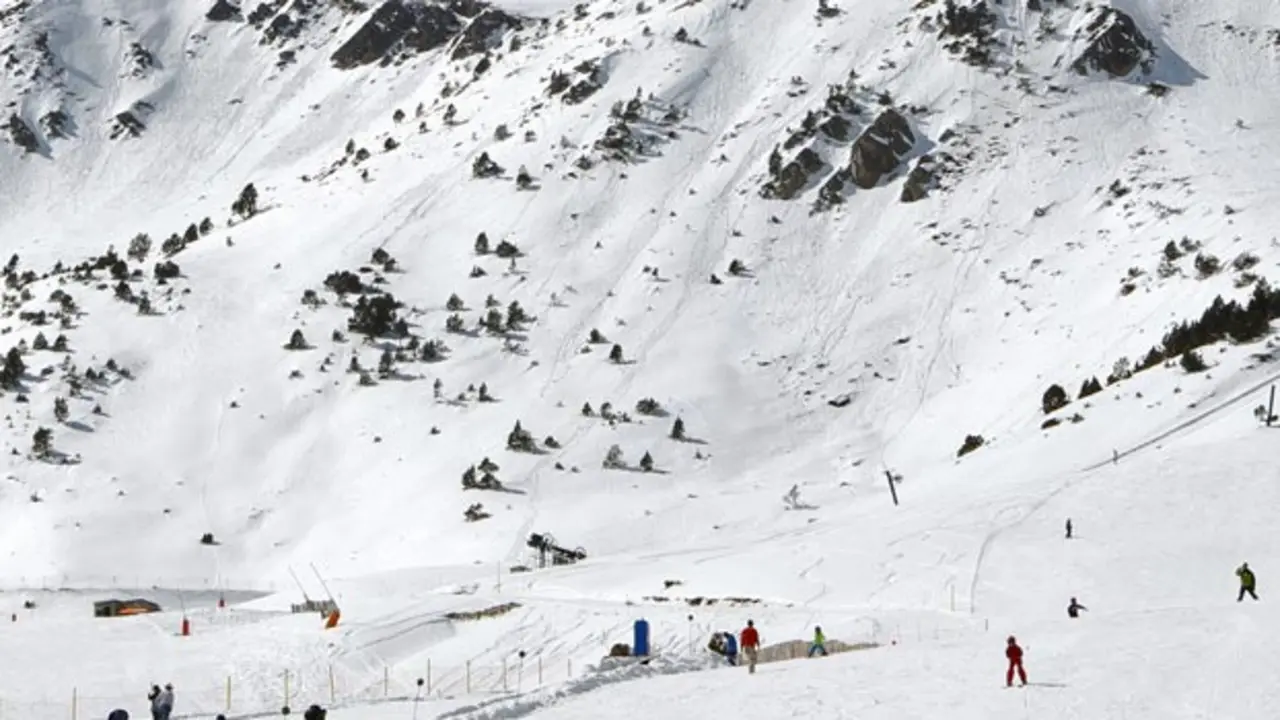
[[794, 176], [264, 12], [919, 180], [395, 27], [837, 128], [224, 11], [22, 135], [132, 121], [484, 33], [1115, 45], [56, 124], [967, 31], [880, 148]]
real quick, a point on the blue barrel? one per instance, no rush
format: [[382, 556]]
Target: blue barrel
[[640, 648]]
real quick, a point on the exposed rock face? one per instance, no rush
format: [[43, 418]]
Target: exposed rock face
[[880, 148], [484, 33], [1115, 45], [794, 176], [56, 124], [919, 180], [224, 11], [133, 121], [22, 135], [398, 27]]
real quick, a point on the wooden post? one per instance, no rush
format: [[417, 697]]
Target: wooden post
[[228, 708], [468, 677], [286, 687], [570, 669], [1271, 406], [428, 676], [892, 490], [386, 681], [75, 701], [504, 674], [333, 690], [539, 671]]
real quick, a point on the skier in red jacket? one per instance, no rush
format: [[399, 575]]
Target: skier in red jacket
[[1014, 653], [749, 641]]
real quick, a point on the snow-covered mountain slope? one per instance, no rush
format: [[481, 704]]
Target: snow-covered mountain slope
[[932, 213]]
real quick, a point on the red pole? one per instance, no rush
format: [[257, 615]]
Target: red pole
[[186, 627]]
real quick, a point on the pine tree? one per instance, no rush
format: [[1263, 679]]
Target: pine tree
[[615, 355], [60, 411], [42, 443], [646, 462], [297, 341], [677, 429]]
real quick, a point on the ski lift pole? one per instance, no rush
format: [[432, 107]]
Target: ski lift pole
[[323, 585], [892, 490], [301, 589]]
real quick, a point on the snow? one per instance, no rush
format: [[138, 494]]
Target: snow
[[939, 319]]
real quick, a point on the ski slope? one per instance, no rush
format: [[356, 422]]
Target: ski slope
[[1034, 258]]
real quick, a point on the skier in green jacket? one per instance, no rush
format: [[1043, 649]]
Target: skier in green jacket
[[1248, 583], [819, 643]]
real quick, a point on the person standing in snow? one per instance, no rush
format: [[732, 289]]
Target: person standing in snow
[[164, 702], [154, 698], [731, 648], [749, 639], [1068, 528], [1248, 583], [1014, 654], [1073, 610], [819, 643]]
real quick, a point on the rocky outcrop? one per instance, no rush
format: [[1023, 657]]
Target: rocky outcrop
[[224, 11], [1113, 44], [484, 33], [880, 148], [22, 135], [56, 124], [398, 27], [131, 122], [920, 180], [793, 177]]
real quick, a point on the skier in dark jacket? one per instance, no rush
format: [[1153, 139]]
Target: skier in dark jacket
[[1248, 583], [154, 698], [1073, 610], [1014, 654]]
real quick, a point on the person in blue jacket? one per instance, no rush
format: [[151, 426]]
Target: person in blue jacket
[[731, 648]]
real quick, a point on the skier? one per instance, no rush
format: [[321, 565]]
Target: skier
[[749, 639], [819, 643], [1248, 583], [1014, 653], [164, 702], [731, 648], [154, 698], [1068, 528], [1073, 610]]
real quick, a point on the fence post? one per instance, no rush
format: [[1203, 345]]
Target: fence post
[[504, 674], [228, 693], [75, 700], [539, 671], [333, 689], [286, 687], [386, 681], [428, 676], [570, 670], [468, 677]]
